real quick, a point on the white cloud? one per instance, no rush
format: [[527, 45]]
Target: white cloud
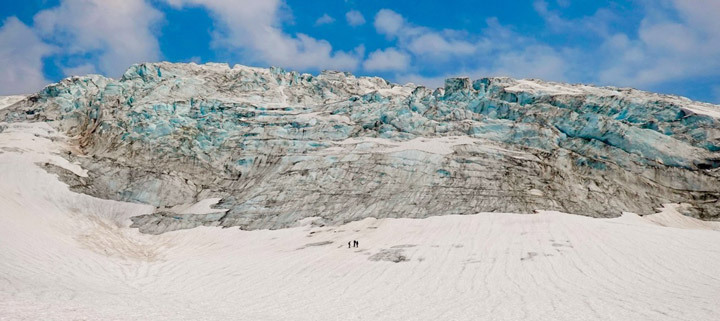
[[388, 22], [388, 59], [496, 51], [252, 28], [324, 19], [421, 41], [537, 61], [668, 36], [354, 18], [434, 44], [116, 33], [79, 70], [703, 17], [676, 40], [21, 54], [680, 43], [598, 24]]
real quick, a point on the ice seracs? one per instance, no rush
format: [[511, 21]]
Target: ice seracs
[[278, 146]]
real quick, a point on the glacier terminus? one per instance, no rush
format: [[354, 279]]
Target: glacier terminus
[[276, 147]]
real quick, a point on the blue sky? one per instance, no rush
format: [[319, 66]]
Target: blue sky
[[668, 46]]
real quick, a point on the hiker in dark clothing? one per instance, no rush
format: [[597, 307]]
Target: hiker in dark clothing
[[348, 244], [356, 243]]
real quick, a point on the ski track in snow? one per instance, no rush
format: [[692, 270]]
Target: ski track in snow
[[67, 256]]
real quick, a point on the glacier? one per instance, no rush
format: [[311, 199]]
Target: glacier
[[277, 147]]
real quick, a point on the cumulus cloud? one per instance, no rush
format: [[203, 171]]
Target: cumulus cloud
[[665, 49], [114, 33], [354, 18], [536, 61], [422, 41], [252, 28], [21, 54], [496, 51], [386, 60], [598, 23], [675, 40], [434, 44], [324, 20], [388, 22]]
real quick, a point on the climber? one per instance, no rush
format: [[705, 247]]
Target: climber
[[348, 244]]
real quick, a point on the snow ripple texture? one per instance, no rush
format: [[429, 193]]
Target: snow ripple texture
[[277, 147]]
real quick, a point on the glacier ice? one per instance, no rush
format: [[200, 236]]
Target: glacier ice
[[278, 146]]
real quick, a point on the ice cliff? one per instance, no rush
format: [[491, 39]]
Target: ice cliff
[[278, 146]]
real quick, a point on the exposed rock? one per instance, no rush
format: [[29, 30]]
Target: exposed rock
[[391, 255]]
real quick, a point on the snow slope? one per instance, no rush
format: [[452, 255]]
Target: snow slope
[[68, 256], [6, 101]]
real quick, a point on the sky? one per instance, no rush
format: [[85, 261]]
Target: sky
[[667, 46]]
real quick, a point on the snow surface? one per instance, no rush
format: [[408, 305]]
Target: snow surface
[[539, 87], [67, 256], [6, 101]]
